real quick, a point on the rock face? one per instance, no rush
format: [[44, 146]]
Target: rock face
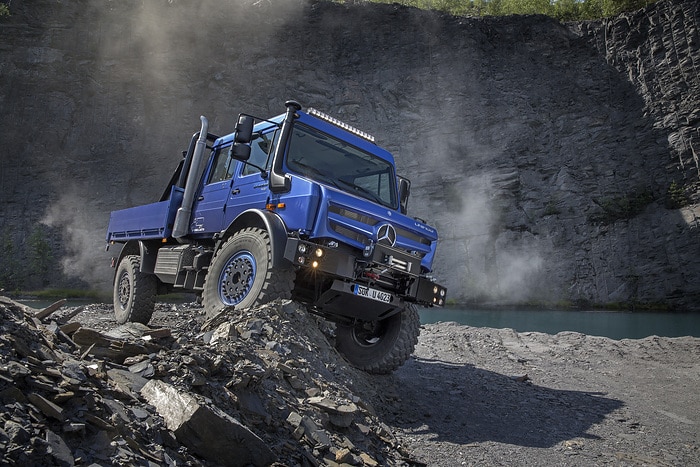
[[558, 162]]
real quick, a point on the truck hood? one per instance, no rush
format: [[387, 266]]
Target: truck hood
[[360, 222]]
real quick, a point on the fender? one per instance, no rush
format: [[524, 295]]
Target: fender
[[146, 249], [262, 219]]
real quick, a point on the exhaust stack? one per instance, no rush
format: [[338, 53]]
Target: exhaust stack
[[182, 218]]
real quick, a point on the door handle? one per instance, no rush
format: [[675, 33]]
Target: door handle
[[200, 198], [235, 192]]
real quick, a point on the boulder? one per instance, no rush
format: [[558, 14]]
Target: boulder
[[206, 430]]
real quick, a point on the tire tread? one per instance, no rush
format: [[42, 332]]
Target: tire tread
[[397, 355], [278, 281], [144, 291]]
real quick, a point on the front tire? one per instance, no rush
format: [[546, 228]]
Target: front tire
[[380, 347], [134, 292], [241, 273]]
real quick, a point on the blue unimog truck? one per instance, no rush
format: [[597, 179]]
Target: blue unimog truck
[[299, 206]]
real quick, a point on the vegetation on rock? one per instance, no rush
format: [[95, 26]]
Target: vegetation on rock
[[563, 10]]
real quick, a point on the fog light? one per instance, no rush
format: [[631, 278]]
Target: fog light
[[302, 248], [318, 252], [434, 300], [314, 264], [301, 260], [435, 289]]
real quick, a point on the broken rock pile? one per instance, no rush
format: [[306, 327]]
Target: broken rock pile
[[262, 386]]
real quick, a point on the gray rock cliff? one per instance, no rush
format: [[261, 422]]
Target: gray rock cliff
[[558, 162]]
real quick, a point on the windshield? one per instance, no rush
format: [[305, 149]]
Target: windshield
[[321, 157]]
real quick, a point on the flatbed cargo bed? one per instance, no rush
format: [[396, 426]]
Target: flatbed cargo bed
[[146, 222]]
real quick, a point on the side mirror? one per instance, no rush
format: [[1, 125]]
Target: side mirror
[[404, 193], [244, 129], [240, 149], [240, 152]]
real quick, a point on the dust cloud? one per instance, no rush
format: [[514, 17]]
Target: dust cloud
[[83, 236], [496, 264]]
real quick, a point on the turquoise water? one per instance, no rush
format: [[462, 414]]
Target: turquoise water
[[616, 325]]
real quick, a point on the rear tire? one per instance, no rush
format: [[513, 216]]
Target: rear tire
[[242, 275], [134, 292], [380, 347]]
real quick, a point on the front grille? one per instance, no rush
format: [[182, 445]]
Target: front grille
[[362, 238], [411, 236], [345, 232], [354, 215]]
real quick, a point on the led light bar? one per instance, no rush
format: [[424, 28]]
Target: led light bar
[[339, 124]]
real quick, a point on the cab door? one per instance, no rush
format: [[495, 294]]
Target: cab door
[[210, 204], [250, 188]]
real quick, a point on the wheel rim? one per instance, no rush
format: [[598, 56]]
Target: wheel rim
[[124, 290], [237, 277], [367, 334]]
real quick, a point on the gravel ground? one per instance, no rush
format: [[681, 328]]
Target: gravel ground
[[476, 396]]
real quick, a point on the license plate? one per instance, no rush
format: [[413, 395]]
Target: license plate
[[373, 294]]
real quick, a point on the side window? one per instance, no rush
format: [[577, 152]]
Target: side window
[[222, 167], [260, 150]]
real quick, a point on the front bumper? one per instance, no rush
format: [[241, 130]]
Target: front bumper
[[343, 265]]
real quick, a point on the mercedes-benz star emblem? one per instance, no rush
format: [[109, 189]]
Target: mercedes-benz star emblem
[[386, 235]]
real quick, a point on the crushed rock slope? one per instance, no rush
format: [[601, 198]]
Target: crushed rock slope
[[81, 396]]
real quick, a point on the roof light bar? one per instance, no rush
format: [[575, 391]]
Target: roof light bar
[[339, 124]]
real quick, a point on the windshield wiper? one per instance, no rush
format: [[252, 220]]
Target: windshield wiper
[[324, 177], [321, 175], [373, 196]]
